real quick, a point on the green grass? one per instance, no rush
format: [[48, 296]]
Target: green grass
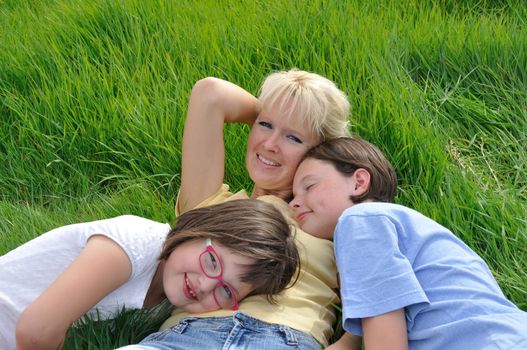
[[90, 334], [93, 96]]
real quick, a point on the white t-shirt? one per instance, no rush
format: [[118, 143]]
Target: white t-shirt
[[28, 270]]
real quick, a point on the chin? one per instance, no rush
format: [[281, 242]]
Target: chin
[[197, 309], [192, 309], [314, 232], [264, 182]]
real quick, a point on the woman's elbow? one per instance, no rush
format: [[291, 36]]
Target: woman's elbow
[[208, 90], [207, 83]]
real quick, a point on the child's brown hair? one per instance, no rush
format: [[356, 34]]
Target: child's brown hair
[[251, 228], [348, 154]]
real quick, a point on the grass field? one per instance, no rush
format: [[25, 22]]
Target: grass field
[[93, 97]]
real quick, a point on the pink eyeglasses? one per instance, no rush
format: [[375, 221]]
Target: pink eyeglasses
[[212, 267]]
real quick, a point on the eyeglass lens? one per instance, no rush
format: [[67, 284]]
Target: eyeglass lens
[[210, 263]]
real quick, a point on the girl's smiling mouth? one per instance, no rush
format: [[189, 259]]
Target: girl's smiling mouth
[[188, 290]]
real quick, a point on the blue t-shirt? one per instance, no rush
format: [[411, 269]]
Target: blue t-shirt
[[391, 257]]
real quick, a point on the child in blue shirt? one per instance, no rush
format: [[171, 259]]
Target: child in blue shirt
[[406, 281]]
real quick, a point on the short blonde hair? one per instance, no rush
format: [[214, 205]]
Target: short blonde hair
[[316, 101]]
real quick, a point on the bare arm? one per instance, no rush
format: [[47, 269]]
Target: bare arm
[[99, 269], [348, 341], [386, 331], [213, 102]]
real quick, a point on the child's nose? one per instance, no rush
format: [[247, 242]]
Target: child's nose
[[295, 203], [207, 284]]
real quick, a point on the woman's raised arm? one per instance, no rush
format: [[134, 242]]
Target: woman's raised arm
[[213, 102]]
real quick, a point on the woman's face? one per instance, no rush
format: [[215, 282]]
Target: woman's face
[[275, 146], [187, 286]]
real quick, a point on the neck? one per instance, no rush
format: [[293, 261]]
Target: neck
[[156, 292], [286, 195]]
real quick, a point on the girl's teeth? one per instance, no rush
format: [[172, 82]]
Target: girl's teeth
[[189, 288]]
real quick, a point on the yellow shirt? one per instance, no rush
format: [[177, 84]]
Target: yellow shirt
[[307, 305]]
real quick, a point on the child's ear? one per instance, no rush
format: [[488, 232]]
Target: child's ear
[[362, 181]]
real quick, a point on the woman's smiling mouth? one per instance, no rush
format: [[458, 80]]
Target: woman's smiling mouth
[[266, 161]]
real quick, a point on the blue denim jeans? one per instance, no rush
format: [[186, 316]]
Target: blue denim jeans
[[236, 332]]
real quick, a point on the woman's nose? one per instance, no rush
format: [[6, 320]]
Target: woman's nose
[[271, 143]]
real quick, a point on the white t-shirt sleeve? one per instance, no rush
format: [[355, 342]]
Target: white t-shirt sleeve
[[140, 238]]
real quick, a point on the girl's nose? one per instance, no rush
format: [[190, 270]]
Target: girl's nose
[[207, 285]]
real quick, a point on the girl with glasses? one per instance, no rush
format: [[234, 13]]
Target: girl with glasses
[[212, 258]]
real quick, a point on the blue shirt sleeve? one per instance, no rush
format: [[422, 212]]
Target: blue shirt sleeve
[[375, 275]]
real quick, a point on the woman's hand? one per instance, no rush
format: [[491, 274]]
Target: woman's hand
[[100, 268]]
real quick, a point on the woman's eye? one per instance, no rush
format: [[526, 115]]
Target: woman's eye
[[294, 139], [265, 124]]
